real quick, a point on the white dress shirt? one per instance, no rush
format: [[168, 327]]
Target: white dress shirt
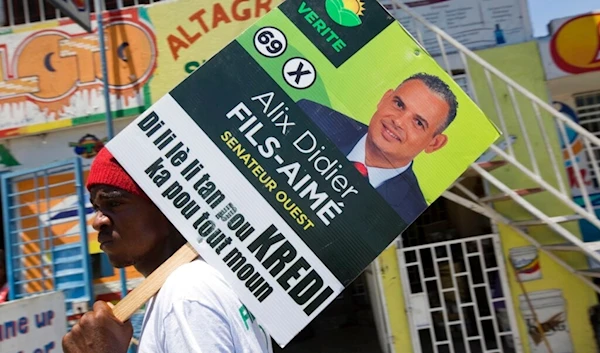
[[377, 176]]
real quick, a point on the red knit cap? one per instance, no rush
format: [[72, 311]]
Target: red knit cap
[[106, 170]]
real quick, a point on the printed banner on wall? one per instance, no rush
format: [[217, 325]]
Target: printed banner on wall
[[476, 24], [526, 261], [582, 165], [297, 154], [577, 145], [549, 308], [51, 78]]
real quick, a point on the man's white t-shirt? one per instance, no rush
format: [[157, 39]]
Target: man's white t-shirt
[[197, 311]]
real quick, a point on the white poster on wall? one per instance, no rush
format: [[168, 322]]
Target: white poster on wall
[[476, 24]]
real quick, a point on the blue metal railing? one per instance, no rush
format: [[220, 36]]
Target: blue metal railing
[[9, 256], [35, 201], [34, 210]]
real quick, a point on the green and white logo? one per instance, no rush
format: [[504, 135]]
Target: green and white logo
[[345, 12]]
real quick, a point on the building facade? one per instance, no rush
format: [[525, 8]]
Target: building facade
[[571, 58], [455, 281]]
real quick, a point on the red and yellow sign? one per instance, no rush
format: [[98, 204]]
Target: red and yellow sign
[[52, 76], [575, 46]]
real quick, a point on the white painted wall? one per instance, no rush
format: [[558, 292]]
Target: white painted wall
[[37, 150]]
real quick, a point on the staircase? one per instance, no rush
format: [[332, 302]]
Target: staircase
[[526, 162]]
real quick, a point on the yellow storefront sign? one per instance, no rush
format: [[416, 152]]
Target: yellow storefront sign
[[188, 33]]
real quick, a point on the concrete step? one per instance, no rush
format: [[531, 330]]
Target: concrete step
[[537, 222], [594, 246], [590, 272], [489, 166], [504, 196]]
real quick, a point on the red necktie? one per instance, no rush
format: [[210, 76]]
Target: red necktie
[[362, 169]]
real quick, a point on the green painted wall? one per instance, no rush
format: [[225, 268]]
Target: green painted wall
[[522, 63]]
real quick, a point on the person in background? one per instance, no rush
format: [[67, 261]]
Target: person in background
[[196, 310], [3, 282]]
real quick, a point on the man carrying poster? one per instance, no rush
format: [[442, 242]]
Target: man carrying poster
[[261, 182], [407, 121], [195, 311]]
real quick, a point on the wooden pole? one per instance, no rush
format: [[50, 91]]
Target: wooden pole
[[150, 286]]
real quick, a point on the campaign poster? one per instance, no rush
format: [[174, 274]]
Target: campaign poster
[[292, 158]]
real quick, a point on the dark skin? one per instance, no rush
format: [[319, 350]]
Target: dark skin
[[132, 232]]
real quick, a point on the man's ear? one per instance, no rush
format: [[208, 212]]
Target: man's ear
[[436, 143]]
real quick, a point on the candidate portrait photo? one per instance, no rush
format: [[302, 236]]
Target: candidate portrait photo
[[408, 120]]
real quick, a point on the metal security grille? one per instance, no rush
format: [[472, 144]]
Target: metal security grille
[[588, 111], [46, 233], [458, 298]]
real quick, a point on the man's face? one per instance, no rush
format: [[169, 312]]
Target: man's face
[[129, 227], [406, 122]]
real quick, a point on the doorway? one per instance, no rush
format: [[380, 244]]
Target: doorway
[[458, 298], [347, 325]]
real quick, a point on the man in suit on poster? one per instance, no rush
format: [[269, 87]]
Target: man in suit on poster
[[408, 120]]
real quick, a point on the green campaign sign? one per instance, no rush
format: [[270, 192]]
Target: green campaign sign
[[297, 154]]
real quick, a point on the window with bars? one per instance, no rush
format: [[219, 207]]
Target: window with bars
[[588, 111], [587, 106]]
